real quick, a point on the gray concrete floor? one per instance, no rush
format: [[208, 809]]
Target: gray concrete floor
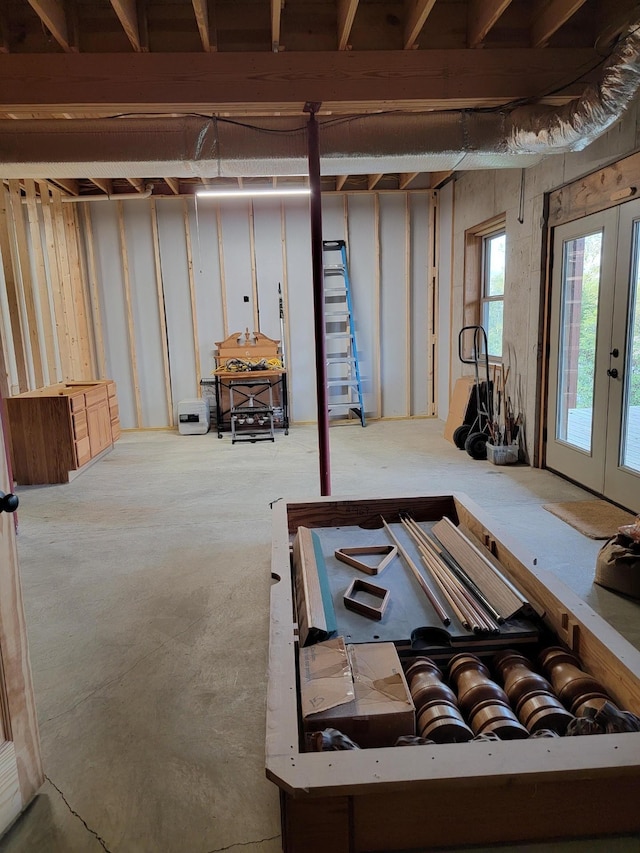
[[146, 587]]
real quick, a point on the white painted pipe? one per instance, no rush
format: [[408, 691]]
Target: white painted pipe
[[74, 199]]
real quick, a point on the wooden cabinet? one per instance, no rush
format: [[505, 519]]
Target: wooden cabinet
[[55, 431]]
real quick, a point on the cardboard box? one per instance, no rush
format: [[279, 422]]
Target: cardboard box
[[358, 689]]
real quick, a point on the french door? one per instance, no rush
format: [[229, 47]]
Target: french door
[[593, 412]]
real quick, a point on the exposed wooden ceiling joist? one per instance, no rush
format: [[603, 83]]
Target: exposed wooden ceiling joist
[[551, 17], [346, 15], [127, 12], [483, 16], [438, 178], [137, 183], [373, 181], [253, 82], [70, 185], [53, 16], [201, 11], [104, 184], [406, 178], [173, 184], [276, 10], [341, 180], [417, 13]]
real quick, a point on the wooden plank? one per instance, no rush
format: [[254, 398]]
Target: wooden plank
[[56, 279], [127, 12], [16, 684], [131, 333], [70, 185], [5, 379], [83, 355], [94, 293], [68, 305], [276, 11], [173, 184], [137, 183], [41, 277], [433, 304], [104, 184], [52, 14], [553, 15], [86, 296], [12, 291], [416, 15], [192, 291], [377, 297], [346, 14], [595, 192], [201, 11], [483, 16], [341, 181], [438, 178], [254, 273], [223, 279], [406, 178], [10, 797], [50, 82], [373, 180], [408, 338], [162, 311], [15, 197]]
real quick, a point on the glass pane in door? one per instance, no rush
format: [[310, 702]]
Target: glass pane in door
[[577, 347], [630, 455]]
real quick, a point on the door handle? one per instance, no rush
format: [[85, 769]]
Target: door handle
[[8, 503], [613, 373]]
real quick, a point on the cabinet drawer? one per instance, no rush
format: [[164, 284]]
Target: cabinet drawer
[[83, 451], [77, 402], [111, 389], [115, 430], [114, 409], [96, 395], [79, 421]]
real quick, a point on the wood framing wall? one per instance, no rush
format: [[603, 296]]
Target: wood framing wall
[[140, 291], [480, 196], [46, 311]]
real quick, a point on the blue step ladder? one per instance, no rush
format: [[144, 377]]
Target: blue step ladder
[[344, 386]]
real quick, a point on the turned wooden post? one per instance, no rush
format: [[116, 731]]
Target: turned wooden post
[[576, 689], [530, 694], [439, 718], [482, 701]]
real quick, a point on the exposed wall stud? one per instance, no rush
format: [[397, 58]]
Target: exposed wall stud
[[223, 281], [13, 296], [96, 313], [130, 325], [55, 278], [377, 360], [78, 295], [66, 285], [407, 281], [192, 291], [41, 277], [254, 273], [432, 302], [286, 344], [161, 310]]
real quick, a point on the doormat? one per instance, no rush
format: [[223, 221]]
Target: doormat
[[596, 519]]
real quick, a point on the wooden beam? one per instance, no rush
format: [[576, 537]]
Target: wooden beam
[[127, 12], [201, 11], [162, 311], [192, 291], [373, 180], [9, 265], [52, 15], [551, 17], [417, 13], [94, 293], [346, 14], [131, 332], [438, 178], [339, 79], [173, 184], [137, 184], [69, 185], [483, 15], [406, 178], [612, 22], [41, 279], [340, 181], [104, 184], [56, 278], [15, 196], [276, 10], [67, 303]]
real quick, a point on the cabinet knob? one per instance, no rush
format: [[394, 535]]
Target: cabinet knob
[[8, 503]]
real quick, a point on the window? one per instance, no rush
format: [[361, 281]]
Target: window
[[492, 289]]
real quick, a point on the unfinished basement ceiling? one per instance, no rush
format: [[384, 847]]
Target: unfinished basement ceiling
[[169, 76]]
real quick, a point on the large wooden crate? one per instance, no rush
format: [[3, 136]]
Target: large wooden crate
[[452, 794]]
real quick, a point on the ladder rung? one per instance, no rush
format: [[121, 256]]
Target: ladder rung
[[346, 334]]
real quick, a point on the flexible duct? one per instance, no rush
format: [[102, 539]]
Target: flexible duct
[[191, 146]]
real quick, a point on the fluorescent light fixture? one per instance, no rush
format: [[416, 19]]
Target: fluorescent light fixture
[[266, 191]]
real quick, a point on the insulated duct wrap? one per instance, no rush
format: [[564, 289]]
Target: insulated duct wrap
[[195, 146], [540, 130]]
